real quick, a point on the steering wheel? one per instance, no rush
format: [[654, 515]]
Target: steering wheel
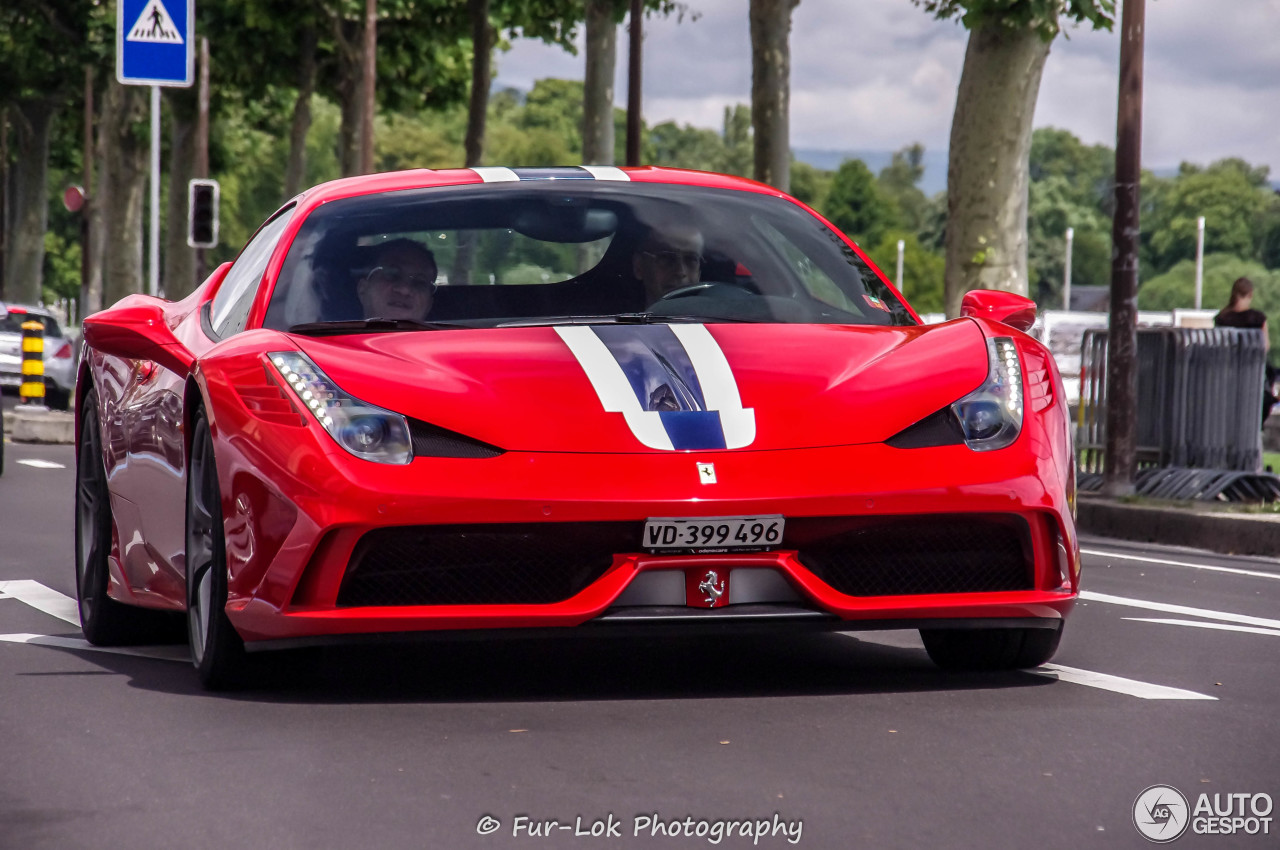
[[686, 291]]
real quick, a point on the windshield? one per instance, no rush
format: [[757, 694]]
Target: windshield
[[534, 252]]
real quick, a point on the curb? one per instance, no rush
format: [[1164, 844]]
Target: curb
[[39, 426], [1197, 527]]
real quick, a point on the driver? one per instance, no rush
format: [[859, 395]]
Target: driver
[[401, 283], [668, 259]]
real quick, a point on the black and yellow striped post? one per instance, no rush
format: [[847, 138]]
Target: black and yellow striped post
[[32, 390]]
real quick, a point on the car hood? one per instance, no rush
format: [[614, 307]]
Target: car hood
[[641, 388]]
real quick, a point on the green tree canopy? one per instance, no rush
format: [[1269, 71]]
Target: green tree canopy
[[1229, 194], [856, 205]]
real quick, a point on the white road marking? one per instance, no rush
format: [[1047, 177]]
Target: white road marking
[[1117, 684], [1167, 563], [41, 464], [1090, 596], [162, 653], [1225, 627], [43, 599]]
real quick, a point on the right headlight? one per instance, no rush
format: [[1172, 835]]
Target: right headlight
[[365, 430], [991, 415]]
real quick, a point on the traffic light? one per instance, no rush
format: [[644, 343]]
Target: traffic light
[[202, 213]]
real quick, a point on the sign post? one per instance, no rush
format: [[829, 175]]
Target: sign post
[[154, 48]]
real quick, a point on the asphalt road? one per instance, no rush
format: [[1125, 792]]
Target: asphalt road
[[845, 740]]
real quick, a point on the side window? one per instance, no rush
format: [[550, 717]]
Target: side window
[[231, 305]]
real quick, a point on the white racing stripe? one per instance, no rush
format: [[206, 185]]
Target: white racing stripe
[[606, 172], [1090, 596], [1224, 627], [496, 174], [719, 387], [1232, 570], [43, 599], [163, 653], [612, 386], [1116, 684]]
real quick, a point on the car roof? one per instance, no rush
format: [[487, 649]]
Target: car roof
[[425, 178]]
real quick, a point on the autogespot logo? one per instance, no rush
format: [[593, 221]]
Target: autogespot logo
[[1160, 813]]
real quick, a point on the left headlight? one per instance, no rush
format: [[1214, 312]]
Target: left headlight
[[365, 430], [991, 415]]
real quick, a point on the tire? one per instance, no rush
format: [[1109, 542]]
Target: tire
[[990, 649], [217, 651], [104, 621]]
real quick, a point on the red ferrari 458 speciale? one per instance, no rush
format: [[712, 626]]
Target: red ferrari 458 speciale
[[602, 398]]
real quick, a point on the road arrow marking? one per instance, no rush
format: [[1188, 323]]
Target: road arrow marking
[[1117, 684], [162, 653], [1225, 627], [41, 464], [43, 599], [1162, 561], [1164, 607]]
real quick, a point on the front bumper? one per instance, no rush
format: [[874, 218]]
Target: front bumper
[[295, 516]]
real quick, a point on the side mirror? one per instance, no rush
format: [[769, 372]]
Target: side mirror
[[135, 329], [1013, 310]]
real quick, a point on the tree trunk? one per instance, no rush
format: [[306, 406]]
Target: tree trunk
[[597, 88], [125, 143], [368, 84], [482, 38], [348, 89], [179, 278], [29, 210], [771, 90], [987, 175], [296, 171]]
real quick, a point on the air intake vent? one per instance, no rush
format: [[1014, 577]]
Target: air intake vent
[[525, 564], [910, 556]]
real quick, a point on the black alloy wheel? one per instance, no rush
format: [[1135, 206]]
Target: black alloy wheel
[[217, 651], [991, 649]]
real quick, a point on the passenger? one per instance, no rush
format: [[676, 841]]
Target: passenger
[[401, 283], [668, 259]]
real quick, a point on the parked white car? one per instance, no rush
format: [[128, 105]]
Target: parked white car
[[59, 353]]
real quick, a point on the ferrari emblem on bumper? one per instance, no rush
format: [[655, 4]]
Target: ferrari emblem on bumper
[[707, 473], [709, 587]]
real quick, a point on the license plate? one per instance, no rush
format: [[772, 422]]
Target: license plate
[[713, 534]]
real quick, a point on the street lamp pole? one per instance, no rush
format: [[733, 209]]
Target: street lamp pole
[[1199, 260], [1066, 271]]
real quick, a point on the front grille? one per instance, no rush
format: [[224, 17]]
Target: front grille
[[910, 556], [527, 564]]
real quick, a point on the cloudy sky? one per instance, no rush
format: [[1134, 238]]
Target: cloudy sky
[[880, 74]]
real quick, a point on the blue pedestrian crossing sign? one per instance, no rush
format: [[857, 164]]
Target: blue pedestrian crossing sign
[[154, 42]]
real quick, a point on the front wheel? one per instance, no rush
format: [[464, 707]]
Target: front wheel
[[104, 621], [991, 649], [216, 649]]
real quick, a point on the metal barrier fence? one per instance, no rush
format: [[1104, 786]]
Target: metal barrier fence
[[1199, 401]]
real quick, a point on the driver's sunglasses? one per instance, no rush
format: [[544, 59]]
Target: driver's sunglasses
[[394, 275], [672, 261]]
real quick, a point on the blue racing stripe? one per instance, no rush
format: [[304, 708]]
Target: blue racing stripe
[[664, 380], [571, 172], [693, 429], [656, 364]]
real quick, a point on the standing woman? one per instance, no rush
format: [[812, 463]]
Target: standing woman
[[1239, 314]]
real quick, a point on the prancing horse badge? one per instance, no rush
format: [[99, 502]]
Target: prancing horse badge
[[707, 473]]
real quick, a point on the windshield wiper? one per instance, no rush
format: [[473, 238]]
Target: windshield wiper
[[362, 325], [617, 319]]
